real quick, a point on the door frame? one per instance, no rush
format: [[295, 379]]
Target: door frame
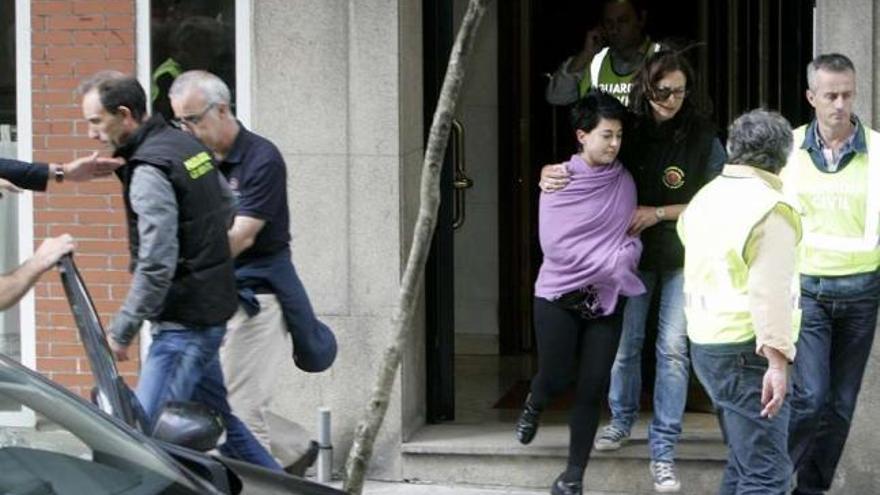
[[437, 22]]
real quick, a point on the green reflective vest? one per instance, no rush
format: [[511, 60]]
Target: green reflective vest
[[715, 230], [841, 211], [609, 81]]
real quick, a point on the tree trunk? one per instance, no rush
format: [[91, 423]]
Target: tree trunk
[[368, 428]]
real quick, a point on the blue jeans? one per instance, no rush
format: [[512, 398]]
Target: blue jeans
[[757, 462], [837, 331], [671, 383], [183, 365]]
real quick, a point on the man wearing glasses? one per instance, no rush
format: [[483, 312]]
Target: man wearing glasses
[[273, 300]]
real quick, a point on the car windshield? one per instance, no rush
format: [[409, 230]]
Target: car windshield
[[75, 448]]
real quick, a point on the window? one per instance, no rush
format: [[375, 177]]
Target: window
[[187, 35]]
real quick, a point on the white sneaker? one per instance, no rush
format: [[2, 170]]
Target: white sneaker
[[611, 438], [665, 477]]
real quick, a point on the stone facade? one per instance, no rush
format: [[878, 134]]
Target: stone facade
[[337, 85]]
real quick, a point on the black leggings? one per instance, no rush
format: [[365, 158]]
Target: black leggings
[[573, 349]]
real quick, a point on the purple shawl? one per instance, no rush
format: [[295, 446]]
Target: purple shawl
[[582, 229]]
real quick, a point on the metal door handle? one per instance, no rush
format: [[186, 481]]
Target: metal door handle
[[461, 182]]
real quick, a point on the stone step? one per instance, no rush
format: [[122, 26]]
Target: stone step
[[488, 454]]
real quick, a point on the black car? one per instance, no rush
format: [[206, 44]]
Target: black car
[[96, 449]]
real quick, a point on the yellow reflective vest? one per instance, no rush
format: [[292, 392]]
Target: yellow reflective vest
[[715, 230], [841, 210]]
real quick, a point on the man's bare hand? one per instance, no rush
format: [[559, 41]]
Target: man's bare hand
[[51, 250], [120, 351], [593, 42], [554, 177], [91, 167], [773, 391], [5, 185]]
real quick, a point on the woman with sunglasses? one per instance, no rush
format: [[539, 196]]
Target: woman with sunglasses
[[671, 151]]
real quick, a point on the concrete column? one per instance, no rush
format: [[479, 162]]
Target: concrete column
[[337, 87], [850, 27]]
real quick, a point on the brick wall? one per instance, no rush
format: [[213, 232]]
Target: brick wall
[[72, 40]]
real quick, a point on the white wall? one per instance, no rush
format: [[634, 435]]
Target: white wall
[[337, 87]]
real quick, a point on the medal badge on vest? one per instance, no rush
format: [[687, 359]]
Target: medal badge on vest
[[673, 177]]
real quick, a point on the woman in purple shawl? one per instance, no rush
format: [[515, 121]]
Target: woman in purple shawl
[[589, 267]]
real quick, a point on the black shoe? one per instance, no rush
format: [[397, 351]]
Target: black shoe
[[561, 487], [527, 425]]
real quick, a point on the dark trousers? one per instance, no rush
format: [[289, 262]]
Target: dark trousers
[[757, 462], [574, 349], [839, 318]]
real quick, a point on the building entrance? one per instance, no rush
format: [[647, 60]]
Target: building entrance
[[746, 53]]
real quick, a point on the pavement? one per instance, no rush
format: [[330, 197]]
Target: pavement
[[404, 488]]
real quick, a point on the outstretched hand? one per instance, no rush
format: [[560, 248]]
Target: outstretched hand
[[91, 167]]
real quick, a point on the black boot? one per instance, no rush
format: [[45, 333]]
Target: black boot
[[562, 487], [527, 425]]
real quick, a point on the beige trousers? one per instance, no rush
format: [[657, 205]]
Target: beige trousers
[[253, 354]]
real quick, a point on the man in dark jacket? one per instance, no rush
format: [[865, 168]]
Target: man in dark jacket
[[177, 210]]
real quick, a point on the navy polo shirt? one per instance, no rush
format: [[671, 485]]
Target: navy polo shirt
[[257, 176]]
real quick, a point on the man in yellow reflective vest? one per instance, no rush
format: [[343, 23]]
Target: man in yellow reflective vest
[[834, 175], [740, 236], [611, 68]]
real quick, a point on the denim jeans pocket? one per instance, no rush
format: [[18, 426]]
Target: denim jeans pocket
[[749, 375], [751, 361]]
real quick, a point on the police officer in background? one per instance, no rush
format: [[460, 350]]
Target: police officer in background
[[740, 236], [611, 68], [834, 174], [177, 213]]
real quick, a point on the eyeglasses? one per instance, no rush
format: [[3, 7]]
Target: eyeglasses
[[194, 119], [663, 94]]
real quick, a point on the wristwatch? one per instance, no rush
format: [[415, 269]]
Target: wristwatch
[[661, 213], [59, 173]]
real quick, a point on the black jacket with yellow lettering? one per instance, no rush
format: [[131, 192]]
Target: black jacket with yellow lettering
[[202, 290]]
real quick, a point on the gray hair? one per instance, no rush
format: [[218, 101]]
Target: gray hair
[[759, 138], [210, 86], [830, 62]]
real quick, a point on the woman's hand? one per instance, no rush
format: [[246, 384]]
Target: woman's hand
[[644, 217], [554, 177]]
